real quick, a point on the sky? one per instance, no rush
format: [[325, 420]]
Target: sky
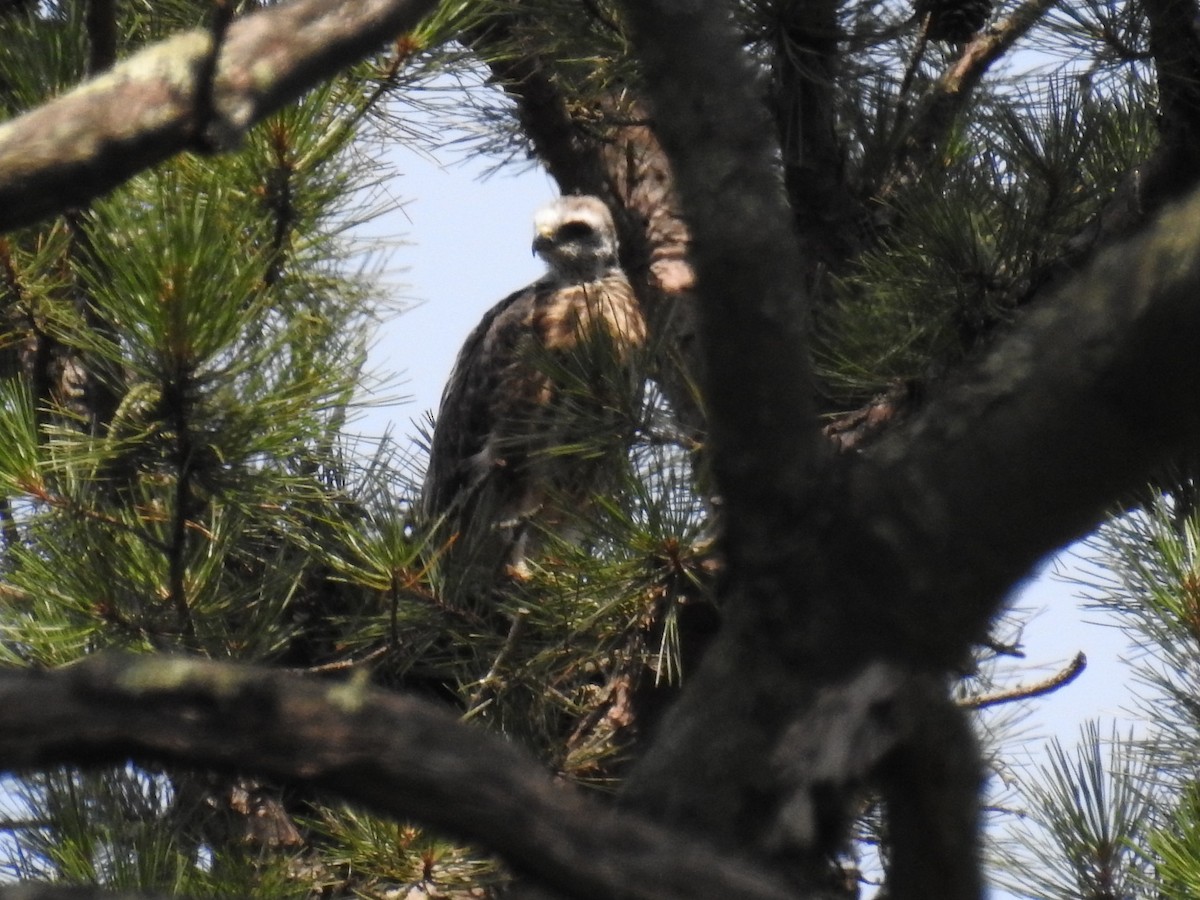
[[466, 244]]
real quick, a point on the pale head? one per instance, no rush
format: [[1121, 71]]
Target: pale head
[[576, 237]]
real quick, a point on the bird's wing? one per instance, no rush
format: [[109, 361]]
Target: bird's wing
[[479, 398]]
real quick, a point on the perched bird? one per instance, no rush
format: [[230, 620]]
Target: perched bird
[[537, 388]]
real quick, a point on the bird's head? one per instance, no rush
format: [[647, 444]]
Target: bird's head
[[576, 237]]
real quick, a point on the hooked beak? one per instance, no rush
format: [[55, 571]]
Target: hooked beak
[[543, 242]]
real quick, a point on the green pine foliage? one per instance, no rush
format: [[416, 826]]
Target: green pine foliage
[[180, 360], [1122, 811], [1175, 847], [1084, 834], [964, 250]]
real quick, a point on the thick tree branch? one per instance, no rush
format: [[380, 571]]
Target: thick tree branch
[[572, 159], [900, 730], [156, 104], [806, 64], [394, 755], [753, 320], [1076, 409], [1175, 47], [908, 551], [709, 766]]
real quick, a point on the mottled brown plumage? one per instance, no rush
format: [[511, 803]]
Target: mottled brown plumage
[[500, 454]]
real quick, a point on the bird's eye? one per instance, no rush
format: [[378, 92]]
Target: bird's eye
[[574, 231]]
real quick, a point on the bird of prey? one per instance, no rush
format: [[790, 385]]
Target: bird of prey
[[540, 378]]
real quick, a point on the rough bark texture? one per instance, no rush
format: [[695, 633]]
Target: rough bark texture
[[807, 60], [396, 756], [172, 97], [904, 554]]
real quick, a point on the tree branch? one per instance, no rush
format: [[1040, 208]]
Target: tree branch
[[396, 756], [753, 320], [806, 63], [952, 93], [542, 112], [905, 552], [708, 766], [1059, 679], [1175, 47], [1080, 406], [149, 107], [898, 729]]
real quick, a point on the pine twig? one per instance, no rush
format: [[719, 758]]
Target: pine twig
[[484, 688], [1059, 679]]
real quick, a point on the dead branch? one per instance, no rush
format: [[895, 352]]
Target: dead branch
[[1059, 679]]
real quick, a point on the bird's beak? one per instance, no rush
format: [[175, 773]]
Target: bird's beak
[[543, 242]]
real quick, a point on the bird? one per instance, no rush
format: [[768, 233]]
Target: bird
[[538, 385]]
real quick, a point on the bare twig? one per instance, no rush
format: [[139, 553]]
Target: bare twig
[[1059, 679], [345, 665], [485, 685]]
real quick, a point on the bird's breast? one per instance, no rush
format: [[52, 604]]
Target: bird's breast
[[565, 314]]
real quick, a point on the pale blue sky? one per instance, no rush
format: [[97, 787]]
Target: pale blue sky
[[466, 245]]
